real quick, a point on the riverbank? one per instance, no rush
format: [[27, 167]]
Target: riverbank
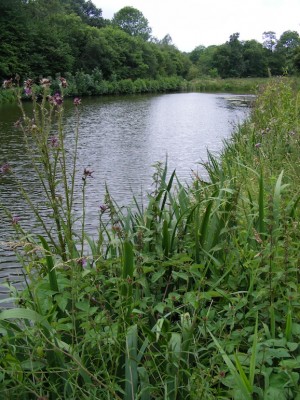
[[195, 296], [83, 84]]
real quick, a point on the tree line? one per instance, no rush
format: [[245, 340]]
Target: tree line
[[55, 37]]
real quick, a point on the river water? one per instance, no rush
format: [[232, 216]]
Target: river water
[[120, 140]]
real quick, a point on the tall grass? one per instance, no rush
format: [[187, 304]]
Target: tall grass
[[196, 296]]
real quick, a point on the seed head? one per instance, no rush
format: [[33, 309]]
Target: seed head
[[63, 82]]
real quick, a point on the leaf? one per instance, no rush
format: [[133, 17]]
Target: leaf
[[157, 275], [50, 265], [20, 313], [131, 372], [30, 365], [246, 395], [275, 393], [181, 275], [144, 382], [261, 207], [61, 301], [253, 354]]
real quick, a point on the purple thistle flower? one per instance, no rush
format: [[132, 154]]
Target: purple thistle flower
[[87, 173], [15, 220], [5, 168], [56, 99], [77, 101], [103, 208], [28, 91], [82, 262], [54, 142], [258, 145]]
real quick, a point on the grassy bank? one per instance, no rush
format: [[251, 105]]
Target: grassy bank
[[83, 84], [235, 85], [196, 296]]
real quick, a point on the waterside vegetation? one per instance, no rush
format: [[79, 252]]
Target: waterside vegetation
[[196, 296], [70, 38]]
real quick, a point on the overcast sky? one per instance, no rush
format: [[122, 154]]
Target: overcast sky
[[194, 22]]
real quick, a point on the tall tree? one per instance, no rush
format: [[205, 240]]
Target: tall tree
[[286, 47], [14, 41], [133, 22], [88, 12], [269, 40], [255, 59], [228, 58]]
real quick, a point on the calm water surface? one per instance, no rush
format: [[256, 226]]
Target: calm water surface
[[120, 139]]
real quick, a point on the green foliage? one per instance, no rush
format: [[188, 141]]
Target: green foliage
[[196, 296], [248, 58], [40, 38], [133, 22]]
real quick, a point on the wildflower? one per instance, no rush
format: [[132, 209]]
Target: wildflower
[[15, 220], [292, 133], [5, 168], [82, 262], [56, 99], [45, 82], [28, 83], [103, 208], [87, 173], [258, 145], [28, 91], [77, 101], [54, 142], [63, 82], [7, 83]]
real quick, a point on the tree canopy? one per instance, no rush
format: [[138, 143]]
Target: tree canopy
[[49, 37], [133, 22]]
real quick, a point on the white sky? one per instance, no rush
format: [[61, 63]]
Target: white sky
[[194, 22]]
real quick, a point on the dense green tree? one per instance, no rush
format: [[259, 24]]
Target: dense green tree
[[166, 40], [228, 58], [285, 50], [49, 37], [87, 11], [133, 22], [14, 45], [297, 59], [255, 59], [196, 53]]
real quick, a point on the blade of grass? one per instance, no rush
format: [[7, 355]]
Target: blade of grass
[[131, 372], [234, 372]]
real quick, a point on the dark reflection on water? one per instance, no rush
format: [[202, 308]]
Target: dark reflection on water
[[120, 139]]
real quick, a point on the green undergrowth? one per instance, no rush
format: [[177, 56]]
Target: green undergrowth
[[83, 84], [235, 85], [194, 297]]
